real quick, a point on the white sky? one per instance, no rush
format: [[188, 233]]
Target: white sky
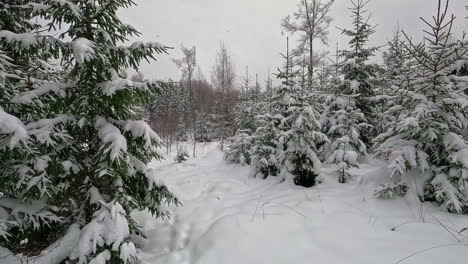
[[251, 28]]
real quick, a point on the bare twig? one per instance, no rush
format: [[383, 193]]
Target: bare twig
[[428, 249]]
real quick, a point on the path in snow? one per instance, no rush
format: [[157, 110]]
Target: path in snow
[[227, 218]]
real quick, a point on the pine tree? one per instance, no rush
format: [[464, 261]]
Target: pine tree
[[429, 138], [82, 165]]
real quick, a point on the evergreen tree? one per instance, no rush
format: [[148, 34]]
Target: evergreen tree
[[360, 75], [239, 151], [206, 127], [246, 120], [429, 138], [348, 112], [265, 159], [250, 104], [31, 127], [399, 67], [343, 123], [288, 142], [82, 163], [300, 137]]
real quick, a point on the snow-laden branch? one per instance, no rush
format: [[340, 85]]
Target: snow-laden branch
[[13, 128], [111, 136]]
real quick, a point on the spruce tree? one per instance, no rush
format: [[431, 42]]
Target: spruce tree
[[360, 75], [429, 139], [239, 150], [348, 112], [343, 123], [81, 164], [399, 67], [300, 138], [246, 120], [289, 140], [265, 159], [31, 128]]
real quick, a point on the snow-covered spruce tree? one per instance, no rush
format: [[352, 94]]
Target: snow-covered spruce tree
[[429, 139], [359, 74], [265, 160], [399, 67], [239, 150], [300, 134], [343, 123], [287, 143], [91, 170], [31, 128], [246, 120], [343, 120], [206, 127], [267, 156]]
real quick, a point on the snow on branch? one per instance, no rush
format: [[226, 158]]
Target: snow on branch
[[109, 227], [46, 88], [11, 125], [36, 212], [143, 45], [139, 128], [26, 39], [83, 50], [111, 135], [117, 83], [43, 129], [154, 180]]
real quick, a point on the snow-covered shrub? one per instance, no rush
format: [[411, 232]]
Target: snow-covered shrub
[[74, 153], [239, 150], [391, 190]]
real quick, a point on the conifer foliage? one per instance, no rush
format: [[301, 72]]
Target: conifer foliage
[[293, 133], [73, 153], [359, 74], [348, 113], [429, 137]]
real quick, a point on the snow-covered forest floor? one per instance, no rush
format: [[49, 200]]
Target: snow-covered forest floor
[[227, 217]]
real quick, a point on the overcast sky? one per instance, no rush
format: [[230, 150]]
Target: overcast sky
[[251, 28]]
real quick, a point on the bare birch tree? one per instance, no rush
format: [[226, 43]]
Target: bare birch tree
[[187, 64], [311, 21], [223, 78]]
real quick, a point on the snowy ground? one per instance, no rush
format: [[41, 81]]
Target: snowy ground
[[227, 217]]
